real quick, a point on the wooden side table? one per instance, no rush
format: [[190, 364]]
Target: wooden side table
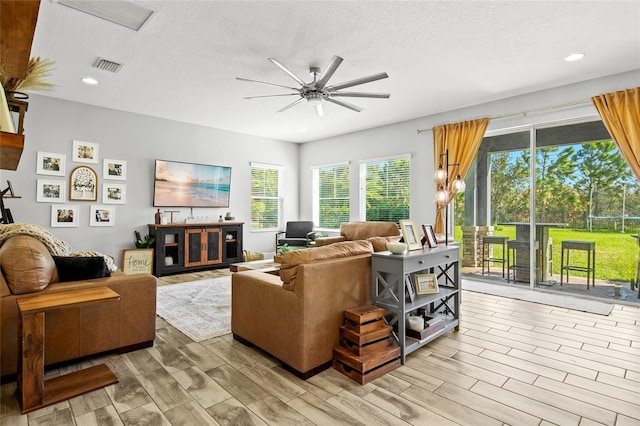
[[33, 391]]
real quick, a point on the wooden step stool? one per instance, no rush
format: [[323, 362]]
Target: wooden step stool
[[367, 349]]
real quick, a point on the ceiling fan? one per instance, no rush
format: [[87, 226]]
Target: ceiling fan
[[317, 90]]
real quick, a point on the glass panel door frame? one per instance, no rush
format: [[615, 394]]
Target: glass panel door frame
[[532, 129]]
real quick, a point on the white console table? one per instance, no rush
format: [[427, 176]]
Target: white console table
[[389, 273]]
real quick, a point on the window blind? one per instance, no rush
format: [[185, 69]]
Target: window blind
[[331, 195], [384, 189], [266, 190]]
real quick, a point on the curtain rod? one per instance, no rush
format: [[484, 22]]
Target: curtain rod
[[524, 113]]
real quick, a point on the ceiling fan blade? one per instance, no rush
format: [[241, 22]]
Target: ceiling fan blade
[[268, 84], [358, 81], [319, 110], [328, 72], [289, 72], [344, 104], [270, 96], [291, 105], [361, 95]]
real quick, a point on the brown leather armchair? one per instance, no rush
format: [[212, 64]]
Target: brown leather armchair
[[296, 317]]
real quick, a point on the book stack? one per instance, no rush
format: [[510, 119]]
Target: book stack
[[367, 349], [432, 325]]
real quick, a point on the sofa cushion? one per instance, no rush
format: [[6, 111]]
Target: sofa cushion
[[363, 230], [380, 243], [26, 264], [291, 260], [74, 268]]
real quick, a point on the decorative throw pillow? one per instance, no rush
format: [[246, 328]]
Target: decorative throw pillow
[[26, 264], [108, 259], [74, 268]]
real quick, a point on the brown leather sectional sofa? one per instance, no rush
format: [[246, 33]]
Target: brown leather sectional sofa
[[296, 317], [127, 324]]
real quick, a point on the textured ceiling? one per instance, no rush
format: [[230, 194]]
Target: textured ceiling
[[440, 55]]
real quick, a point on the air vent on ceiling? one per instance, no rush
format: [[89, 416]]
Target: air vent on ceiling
[[107, 65]]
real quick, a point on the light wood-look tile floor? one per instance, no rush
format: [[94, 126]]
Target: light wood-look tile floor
[[512, 362]]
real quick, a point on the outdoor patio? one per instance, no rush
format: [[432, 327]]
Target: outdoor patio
[[612, 291]]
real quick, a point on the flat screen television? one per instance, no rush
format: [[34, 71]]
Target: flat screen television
[[178, 184]]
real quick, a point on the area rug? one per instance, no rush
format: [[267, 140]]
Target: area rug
[[199, 309], [562, 301]]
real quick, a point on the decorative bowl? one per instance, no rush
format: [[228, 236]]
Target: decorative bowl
[[397, 248]]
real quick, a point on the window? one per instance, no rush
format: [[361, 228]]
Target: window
[[331, 195], [266, 201], [384, 189]]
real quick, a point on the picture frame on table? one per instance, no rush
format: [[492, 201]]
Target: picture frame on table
[[50, 163], [64, 216], [411, 291], [114, 193], [50, 191], [85, 152], [83, 184], [102, 215], [430, 235], [410, 234], [114, 169], [426, 283]]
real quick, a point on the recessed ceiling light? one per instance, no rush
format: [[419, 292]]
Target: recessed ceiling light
[[574, 57], [90, 80], [302, 129]]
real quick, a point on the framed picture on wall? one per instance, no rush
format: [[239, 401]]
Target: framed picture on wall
[[64, 215], [50, 191], [114, 169], [114, 193], [49, 163], [83, 184], [85, 152], [102, 215]]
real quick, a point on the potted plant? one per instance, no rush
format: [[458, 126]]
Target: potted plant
[[280, 251], [146, 242]]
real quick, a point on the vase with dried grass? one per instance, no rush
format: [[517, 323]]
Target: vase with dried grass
[[38, 71]]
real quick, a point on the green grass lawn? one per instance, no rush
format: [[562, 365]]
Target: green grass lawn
[[616, 253]]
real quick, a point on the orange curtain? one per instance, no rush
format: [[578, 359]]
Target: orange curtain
[[620, 112], [462, 140]]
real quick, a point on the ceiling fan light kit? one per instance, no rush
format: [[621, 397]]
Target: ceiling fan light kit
[[317, 90]]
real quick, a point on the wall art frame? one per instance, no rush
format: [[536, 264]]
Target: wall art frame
[[64, 215], [83, 184], [51, 191], [51, 163], [114, 169], [114, 193], [85, 152], [102, 215]]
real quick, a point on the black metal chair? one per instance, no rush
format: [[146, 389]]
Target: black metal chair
[[296, 234]]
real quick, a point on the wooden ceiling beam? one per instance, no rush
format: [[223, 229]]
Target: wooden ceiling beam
[[17, 24]]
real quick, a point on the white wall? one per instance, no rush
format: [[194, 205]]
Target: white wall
[[52, 124], [401, 138]]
